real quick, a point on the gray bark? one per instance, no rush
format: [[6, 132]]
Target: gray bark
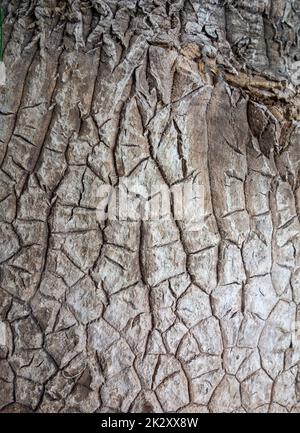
[[148, 316]]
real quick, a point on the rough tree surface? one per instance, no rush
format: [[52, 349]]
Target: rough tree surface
[[148, 316]]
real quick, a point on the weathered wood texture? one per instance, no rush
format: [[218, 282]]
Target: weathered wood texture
[[148, 316]]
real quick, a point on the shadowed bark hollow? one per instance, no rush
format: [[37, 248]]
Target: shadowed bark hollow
[[149, 316]]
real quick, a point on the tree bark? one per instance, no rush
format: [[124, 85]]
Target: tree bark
[[149, 315]]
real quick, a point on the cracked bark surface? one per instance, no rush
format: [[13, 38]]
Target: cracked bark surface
[[148, 316]]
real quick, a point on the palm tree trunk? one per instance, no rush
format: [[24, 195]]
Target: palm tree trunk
[[145, 314]]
